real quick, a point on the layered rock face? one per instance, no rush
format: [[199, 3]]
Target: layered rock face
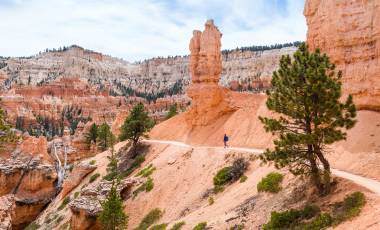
[[349, 32], [30, 176], [209, 100]]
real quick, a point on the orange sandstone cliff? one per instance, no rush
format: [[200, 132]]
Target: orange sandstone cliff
[[349, 32]]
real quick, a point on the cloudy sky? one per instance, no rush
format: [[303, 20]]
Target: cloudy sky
[[139, 29]]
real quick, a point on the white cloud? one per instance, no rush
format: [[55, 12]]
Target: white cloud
[[141, 29]]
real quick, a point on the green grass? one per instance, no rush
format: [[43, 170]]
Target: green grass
[[149, 219], [76, 194], [211, 200], [310, 217], [348, 208], [147, 187], [200, 226], [147, 171], [92, 162], [159, 227], [94, 177], [270, 183], [64, 203], [135, 164], [243, 178], [178, 225]]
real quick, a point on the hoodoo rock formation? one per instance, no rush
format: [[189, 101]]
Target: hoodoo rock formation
[[349, 32], [209, 100]]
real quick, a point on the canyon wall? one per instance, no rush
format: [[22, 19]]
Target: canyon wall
[[349, 32]]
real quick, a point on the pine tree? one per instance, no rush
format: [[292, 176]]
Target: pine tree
[[172, 111], [136, 125], [6, 135], [112, 216], [92, 134], [104, 137], [306, 94]]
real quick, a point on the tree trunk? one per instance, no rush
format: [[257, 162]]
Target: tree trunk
[[326, 170], [314, 170]]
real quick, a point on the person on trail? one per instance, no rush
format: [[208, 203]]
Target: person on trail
[[225, 140]]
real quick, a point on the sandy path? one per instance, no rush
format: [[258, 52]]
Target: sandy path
[[370, 184]]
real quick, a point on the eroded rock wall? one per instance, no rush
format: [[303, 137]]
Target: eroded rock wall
[[349, 32]]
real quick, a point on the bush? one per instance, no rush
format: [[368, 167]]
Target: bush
[[135, 164], [76, 194], [92, 162], [147, 187], [222, 177], [159, 227], [211, 201], [64, 203], [153, 216], [270, 183], [94, 177], [238, 168], [147, 171], [200, 226], [178, 226], [290, 218], [237, 227], [243, 178], [349, 207]]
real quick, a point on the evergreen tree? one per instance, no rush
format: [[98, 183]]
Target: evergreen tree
[[172, 111], [306, 94], [136, 125], [6, 135], [92, 134], [104, 137], [112, 216]]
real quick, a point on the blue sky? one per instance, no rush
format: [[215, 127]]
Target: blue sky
[[139, 29]]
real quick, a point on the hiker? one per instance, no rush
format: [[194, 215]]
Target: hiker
[[225, 140]]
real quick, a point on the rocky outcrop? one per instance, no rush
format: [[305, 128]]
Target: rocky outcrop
[[29, 174], [7, 206], [75, 177], [349, 32], [209, 100], [86, 208]]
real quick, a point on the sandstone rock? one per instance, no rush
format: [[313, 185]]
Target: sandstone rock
[[209, 100], [118, 122], [7, 206], [86, 207], [29, 174], [75, 177], [349, 32]]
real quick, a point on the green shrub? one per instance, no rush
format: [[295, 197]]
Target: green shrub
[[94, 177], [238, 168], [64, 203], [290, 218], [178, 225], [349, 207], [322, 221], [147, 187], [150, 218], [92, 162], [200, 226], [136, 163], [33, 226], [270, 183], [222, 177], [243, 178], [211, 201], [159, 227], [218, 188], [76, 194], [147, 171]]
